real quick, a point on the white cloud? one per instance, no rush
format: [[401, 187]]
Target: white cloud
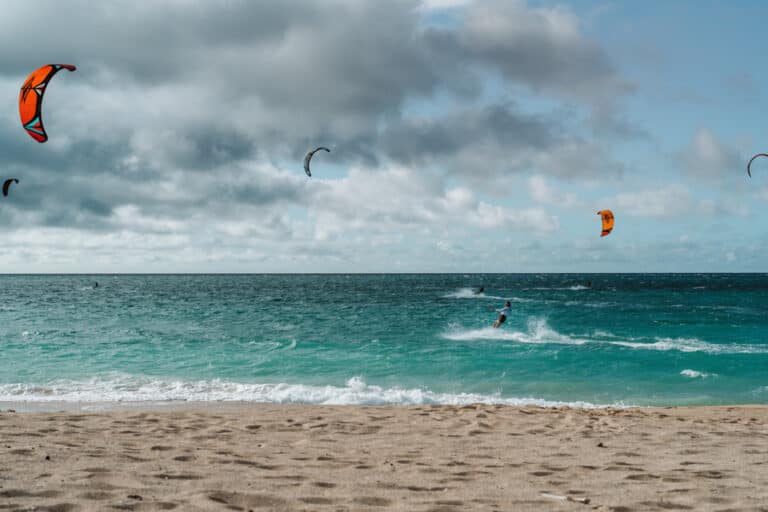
[[667, 201], [443, 4], [543, 47], [398, 199], [707, 156], [542, 192], [673, 200]]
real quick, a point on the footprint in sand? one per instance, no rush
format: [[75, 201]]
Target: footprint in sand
[[298, 478], [668, 505], [316, 500], [259, 465], [96, 496], [59, 507], [246, 501], [715, 475], [19, 493], [178, 476], [372, 501], [96, 470], [641, 477]]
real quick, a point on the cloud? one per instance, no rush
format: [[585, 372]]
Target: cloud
[[708, 157], [288, 76], [674, 200], [665, 202], [542, 48], [542, 192], [182, 132], [483, 143], [402, 201], [443, 4]]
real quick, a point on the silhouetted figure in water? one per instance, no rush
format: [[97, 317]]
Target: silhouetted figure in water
[[96, 284], [480, 290]]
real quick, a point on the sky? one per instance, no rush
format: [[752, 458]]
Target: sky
[[465, 136]]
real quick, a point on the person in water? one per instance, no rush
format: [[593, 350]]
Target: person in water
[[480, 290], [503, 314]]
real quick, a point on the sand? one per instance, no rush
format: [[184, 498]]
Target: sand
[[434, 458]]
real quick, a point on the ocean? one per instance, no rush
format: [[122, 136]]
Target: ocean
[[381, 339]]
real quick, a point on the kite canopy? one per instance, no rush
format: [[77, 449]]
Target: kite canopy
[[7, 184], [749, 172], [31, 99], [607, 217], [309, 157]]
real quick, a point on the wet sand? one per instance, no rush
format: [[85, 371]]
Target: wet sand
[[433, 458]]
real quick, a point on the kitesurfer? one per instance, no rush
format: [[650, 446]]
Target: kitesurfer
[[503, 314], [480, 290]]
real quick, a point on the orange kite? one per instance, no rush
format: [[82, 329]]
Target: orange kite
[[31, 99], [607, 217]]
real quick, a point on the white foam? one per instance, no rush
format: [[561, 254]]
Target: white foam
[[577, 287], [126, 388], [538, 332], [470, 293], [695, 374], [609, 335], [579, 303], [694, 345]]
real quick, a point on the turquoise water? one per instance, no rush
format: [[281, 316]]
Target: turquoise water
[[630, 339]]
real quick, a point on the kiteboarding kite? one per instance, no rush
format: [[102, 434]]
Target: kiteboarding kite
[[749, 172], [607, 217], [31, 99], [7, 185], [309, 157]]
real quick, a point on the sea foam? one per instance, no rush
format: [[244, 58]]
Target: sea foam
[[538, 332], [695, 374], [127, 388], [694, 345], [470, 293]]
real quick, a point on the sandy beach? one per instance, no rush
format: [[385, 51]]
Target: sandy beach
[[432, 458]]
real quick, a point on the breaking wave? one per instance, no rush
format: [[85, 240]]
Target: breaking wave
[[128, 388]]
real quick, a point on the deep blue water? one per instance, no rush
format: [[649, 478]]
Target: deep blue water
[[631, 339]]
